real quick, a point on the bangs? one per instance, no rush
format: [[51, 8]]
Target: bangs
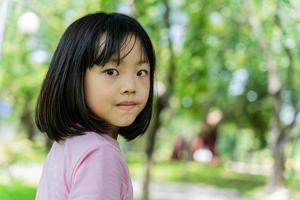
[[114, 47]]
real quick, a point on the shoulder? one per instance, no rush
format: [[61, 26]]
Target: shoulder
[[78, 148], [89, 149], [90, 141], [96, 167]]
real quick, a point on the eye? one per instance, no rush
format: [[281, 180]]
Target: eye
[[142, 72], [112, 72]]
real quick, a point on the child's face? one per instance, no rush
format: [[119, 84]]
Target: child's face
[[117, 94]]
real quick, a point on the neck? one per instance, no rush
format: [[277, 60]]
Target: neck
[[114, 133]]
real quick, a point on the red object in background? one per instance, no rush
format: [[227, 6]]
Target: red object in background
[[206, 139], [181, 149]]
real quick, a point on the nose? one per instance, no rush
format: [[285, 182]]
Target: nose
[[128, 85]]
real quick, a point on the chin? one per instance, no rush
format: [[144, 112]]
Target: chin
[[124, 123]]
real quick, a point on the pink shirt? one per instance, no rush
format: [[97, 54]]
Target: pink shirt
[[86, 167]]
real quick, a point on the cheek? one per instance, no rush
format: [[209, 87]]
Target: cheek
[[92, 92], [146, 90], [89, 97]]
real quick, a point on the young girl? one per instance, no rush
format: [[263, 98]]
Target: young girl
[[99, 85]]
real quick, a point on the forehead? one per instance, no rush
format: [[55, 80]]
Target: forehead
[[120, 48]]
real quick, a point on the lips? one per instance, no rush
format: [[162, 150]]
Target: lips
[[127, 105]]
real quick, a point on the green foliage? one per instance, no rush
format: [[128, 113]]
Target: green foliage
[[217, 41], [19, 149], [17, 190], [227, 142]]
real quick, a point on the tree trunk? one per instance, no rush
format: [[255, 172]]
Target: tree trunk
[[146, 180], [27, 122], [3, 14], [276, 179], [161, 104], [277, 135], [277, 144]]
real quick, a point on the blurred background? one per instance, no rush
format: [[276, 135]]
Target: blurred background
[[226, 121]]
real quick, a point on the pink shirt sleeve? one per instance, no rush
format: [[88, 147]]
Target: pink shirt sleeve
[[97, 175]]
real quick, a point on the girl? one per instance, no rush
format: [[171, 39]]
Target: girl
[[99, 85]]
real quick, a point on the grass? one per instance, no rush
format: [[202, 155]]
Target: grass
[[19, 151], [193, 172], [17, 190]]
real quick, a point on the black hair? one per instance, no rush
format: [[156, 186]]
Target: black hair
[[61, 109]]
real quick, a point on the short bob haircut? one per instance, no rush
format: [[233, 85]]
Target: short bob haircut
[[61, 109]]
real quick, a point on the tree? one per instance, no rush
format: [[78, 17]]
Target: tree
[[280, 133], [161, 102]]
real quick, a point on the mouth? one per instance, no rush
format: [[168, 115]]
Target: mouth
[[126, 105]]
